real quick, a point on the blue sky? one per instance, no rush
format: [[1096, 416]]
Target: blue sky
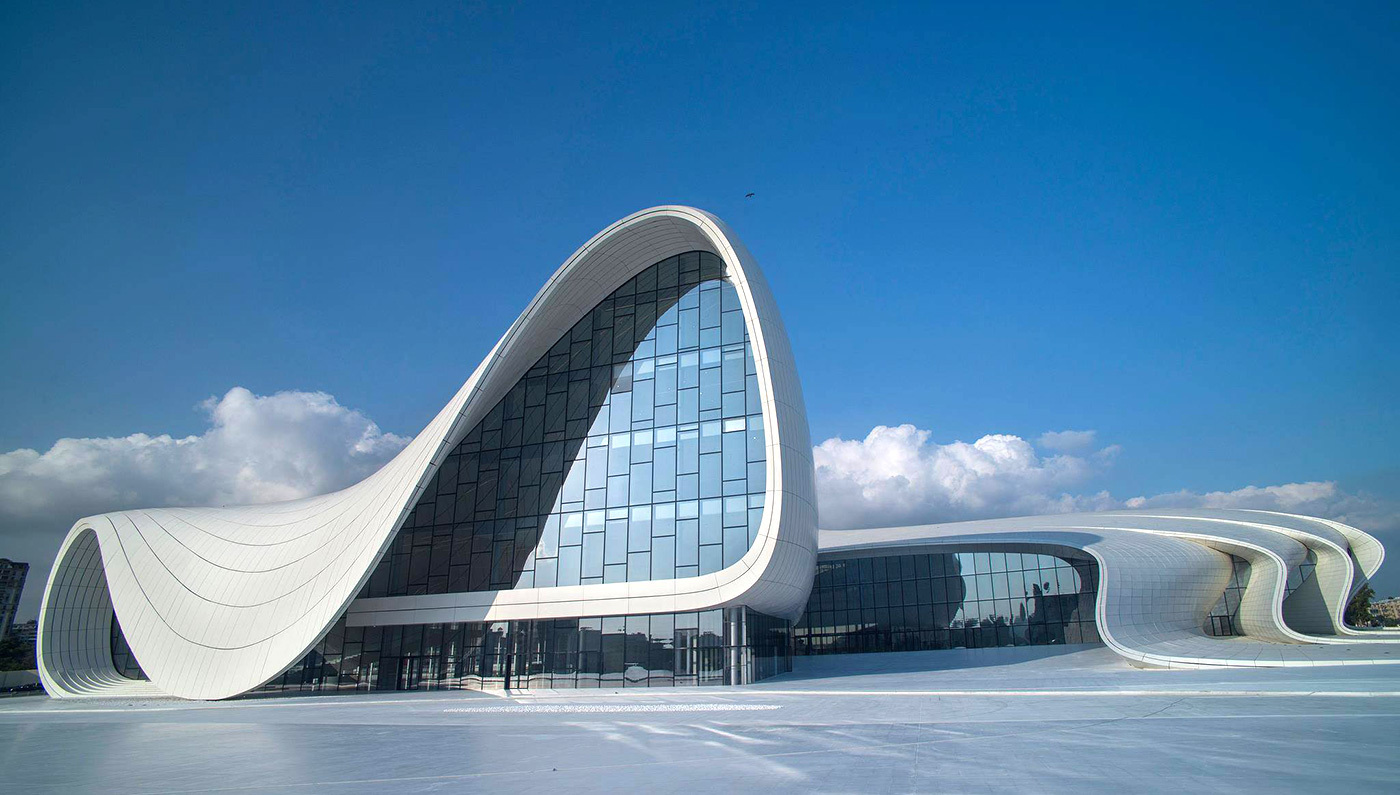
[[1173, 226]]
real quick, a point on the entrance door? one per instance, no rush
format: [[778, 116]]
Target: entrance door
[[495, 656], [410, 673]]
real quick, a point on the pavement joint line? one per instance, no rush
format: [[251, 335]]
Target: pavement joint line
[[537, 709], [1098, 693], [333, 702]]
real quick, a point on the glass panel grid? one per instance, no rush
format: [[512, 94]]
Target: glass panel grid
[[1224, 619], [713, 647], [948, 601], [642, 423], [122, 658]]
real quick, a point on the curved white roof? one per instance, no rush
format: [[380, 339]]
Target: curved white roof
[[1161, 572], [216, 601]]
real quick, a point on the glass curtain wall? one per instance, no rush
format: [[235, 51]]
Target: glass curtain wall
[[632, 450], [712, 647], [948, 601], [727, 646], [1223, 621], [122, 658]]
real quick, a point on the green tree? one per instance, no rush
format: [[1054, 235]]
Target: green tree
[[17, 654], [1359, 610]]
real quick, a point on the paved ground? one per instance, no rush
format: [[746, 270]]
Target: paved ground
[[1004, 720]]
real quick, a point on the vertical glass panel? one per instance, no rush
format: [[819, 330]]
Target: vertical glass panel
[[592, 555], [615, 544], [664, 520], [711, 521], [711, 558], [687, 542], [663, 558]]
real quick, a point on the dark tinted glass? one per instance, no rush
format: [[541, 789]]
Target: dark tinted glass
[[1224, 619], [713, 647], [122, 658], [948, 601]]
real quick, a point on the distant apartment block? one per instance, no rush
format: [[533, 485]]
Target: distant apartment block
[[12, 576], [1387, 608]]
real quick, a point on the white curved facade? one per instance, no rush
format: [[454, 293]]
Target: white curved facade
[[216, 601], [1161, 572]]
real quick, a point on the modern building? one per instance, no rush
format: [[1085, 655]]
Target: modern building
[[1387, 609], [622, 495], [12, 576]]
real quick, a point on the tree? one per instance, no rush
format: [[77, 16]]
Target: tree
[[1359, 610], [17, 654]]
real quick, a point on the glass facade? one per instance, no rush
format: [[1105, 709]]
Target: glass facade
[[712, 647], [948, 601], [632, 450], [1224, 619], [122, 658]]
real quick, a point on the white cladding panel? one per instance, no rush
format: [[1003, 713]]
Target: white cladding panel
[[1161, 572], [217, 601]]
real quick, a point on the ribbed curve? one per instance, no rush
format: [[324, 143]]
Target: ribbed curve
[[216, 601]]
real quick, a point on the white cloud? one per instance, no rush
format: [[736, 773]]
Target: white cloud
[[258, 448], [1313, 498], [1067, 441], [898, 476]]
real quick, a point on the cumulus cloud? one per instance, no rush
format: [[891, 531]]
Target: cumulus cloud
[[900, 476], [1313, 498], [257, 448], [1067, 441]]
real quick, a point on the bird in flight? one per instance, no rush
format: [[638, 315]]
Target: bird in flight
[[748, 195]]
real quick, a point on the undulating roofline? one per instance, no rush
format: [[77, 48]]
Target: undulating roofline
[[1162, 571], [216, 601]]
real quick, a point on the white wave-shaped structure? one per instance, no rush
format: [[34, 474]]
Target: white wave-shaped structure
[[214, 602], [1161, 573]]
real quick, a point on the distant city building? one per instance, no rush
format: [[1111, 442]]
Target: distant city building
[[12, 574], [1387, 608], [28, 631]]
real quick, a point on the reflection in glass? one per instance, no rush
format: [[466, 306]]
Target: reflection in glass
[[648, 407], [122, 658], [713, 647], [1224, 619], [948, 601]]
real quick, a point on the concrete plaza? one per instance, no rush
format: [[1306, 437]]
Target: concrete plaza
[[1072, 719]]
